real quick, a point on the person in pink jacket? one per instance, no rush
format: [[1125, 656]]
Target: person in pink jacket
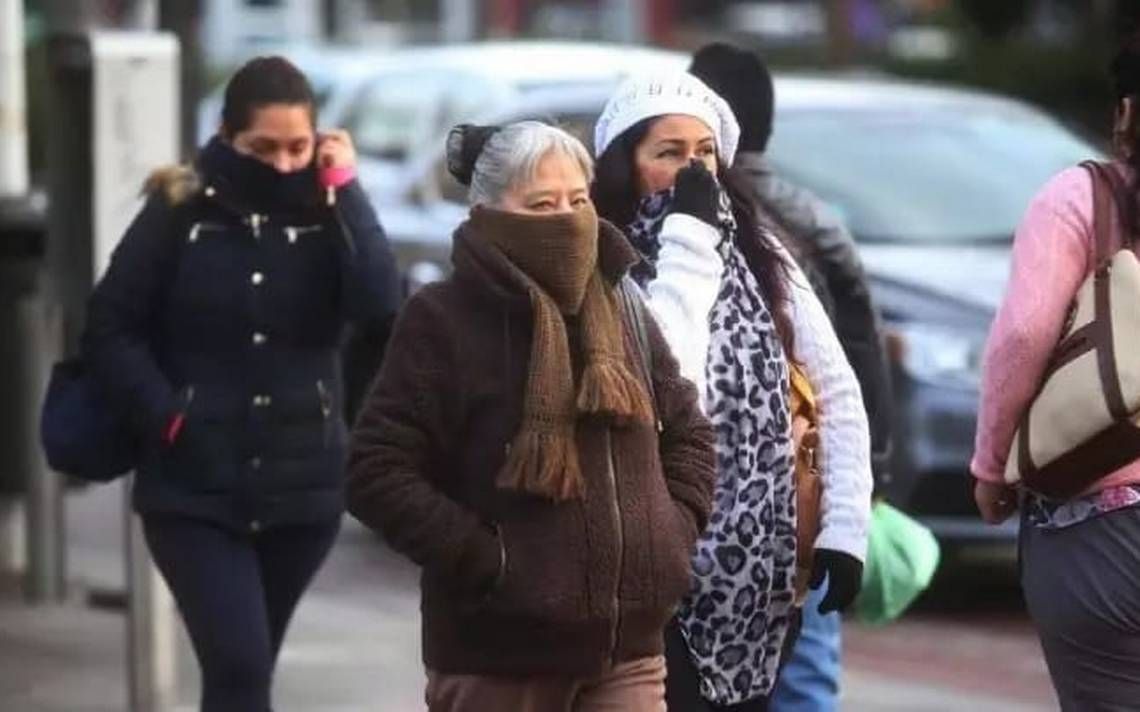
[[1079, 558]]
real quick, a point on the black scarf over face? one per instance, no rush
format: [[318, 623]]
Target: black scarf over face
[[257, 184]]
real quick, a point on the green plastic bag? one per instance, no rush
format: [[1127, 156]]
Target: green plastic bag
[[902, 557]]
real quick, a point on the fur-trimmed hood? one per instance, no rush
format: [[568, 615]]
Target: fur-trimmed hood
[[177, 183]]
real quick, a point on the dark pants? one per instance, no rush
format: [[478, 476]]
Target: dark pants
[[682, 683], [236, 593], [1082, 587]]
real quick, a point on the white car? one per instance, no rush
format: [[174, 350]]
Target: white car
[[397, 104], [336, 74]]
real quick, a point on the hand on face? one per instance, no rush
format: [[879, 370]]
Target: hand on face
[[335, 150], [696, 193]]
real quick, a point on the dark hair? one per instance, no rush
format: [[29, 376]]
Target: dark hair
[[1125, 71], [615, 197], [741, 79], [260, 82], [464, 145]]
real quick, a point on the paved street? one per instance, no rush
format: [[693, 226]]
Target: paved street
[[355, 641]]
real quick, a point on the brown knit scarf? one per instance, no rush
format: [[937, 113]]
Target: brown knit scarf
[[555, 259]]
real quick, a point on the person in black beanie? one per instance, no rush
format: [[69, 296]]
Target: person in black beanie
[[827, 253]]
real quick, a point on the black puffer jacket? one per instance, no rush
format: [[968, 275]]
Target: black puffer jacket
[[831, 261], [225, 301]]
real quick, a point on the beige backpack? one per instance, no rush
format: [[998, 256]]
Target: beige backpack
[[1085, 420]]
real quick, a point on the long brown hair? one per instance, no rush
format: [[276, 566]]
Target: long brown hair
[[615, 196]]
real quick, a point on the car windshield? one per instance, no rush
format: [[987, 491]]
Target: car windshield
[[935, 175]]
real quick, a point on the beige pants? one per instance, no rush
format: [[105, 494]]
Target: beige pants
[[637, 686]]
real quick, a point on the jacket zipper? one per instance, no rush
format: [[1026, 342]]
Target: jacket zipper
[[255, 223], [326, 400], [615, 631], [326, 411], [197, 228], [294, 232], [345, 233]]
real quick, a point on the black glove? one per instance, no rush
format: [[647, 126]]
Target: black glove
[[696, 193], [844, 575]]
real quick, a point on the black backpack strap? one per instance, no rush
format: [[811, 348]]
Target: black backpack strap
[[637, 314]]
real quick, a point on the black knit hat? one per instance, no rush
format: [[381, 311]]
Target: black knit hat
[[741, 79]]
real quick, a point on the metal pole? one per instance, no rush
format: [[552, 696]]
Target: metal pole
[[13, 101], [183, 18], [150, 623], [41, 326], [152, 651], [459, 20], [43, 538], [626, 20]]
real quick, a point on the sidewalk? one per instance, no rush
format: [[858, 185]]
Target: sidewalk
[[354, 644], [340, 658]]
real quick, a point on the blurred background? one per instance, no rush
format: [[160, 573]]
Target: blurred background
[[926, 124]]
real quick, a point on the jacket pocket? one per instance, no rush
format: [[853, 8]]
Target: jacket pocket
[[545, 574], [303, 421], [202, 455]]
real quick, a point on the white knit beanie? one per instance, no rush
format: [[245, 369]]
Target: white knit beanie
[[653, 95]]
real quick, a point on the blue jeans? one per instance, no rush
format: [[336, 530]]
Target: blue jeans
[[809, 681]]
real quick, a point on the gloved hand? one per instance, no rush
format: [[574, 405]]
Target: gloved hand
[[844, 575], [696, 193]]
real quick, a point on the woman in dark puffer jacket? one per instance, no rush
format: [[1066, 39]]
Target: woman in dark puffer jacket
[[217, 326]]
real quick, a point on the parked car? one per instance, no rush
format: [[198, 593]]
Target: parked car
[[335, 72], [932, 182]]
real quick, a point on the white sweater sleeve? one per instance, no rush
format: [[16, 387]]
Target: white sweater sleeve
[[689, 271], [845, 442]]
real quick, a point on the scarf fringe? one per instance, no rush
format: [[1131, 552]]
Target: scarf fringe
[[609, 389], [543, 464]]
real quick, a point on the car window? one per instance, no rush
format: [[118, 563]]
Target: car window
[[397, 112], [925, 175], [578, 125]]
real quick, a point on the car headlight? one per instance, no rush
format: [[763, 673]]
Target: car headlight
[[938, 355]]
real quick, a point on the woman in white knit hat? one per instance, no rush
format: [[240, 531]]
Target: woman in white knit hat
[[736, 311]]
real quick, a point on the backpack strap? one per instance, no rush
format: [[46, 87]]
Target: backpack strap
[[636, 312], [1102, 193], [1103, 190]]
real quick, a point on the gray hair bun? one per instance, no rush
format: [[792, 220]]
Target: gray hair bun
[[465, 143]]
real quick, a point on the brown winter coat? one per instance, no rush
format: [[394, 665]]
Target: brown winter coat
[[514, 584]]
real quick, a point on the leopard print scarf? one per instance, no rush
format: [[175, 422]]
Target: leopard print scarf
[[738, 611]]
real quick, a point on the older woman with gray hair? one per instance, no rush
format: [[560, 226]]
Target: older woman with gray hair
[[531, 444]]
